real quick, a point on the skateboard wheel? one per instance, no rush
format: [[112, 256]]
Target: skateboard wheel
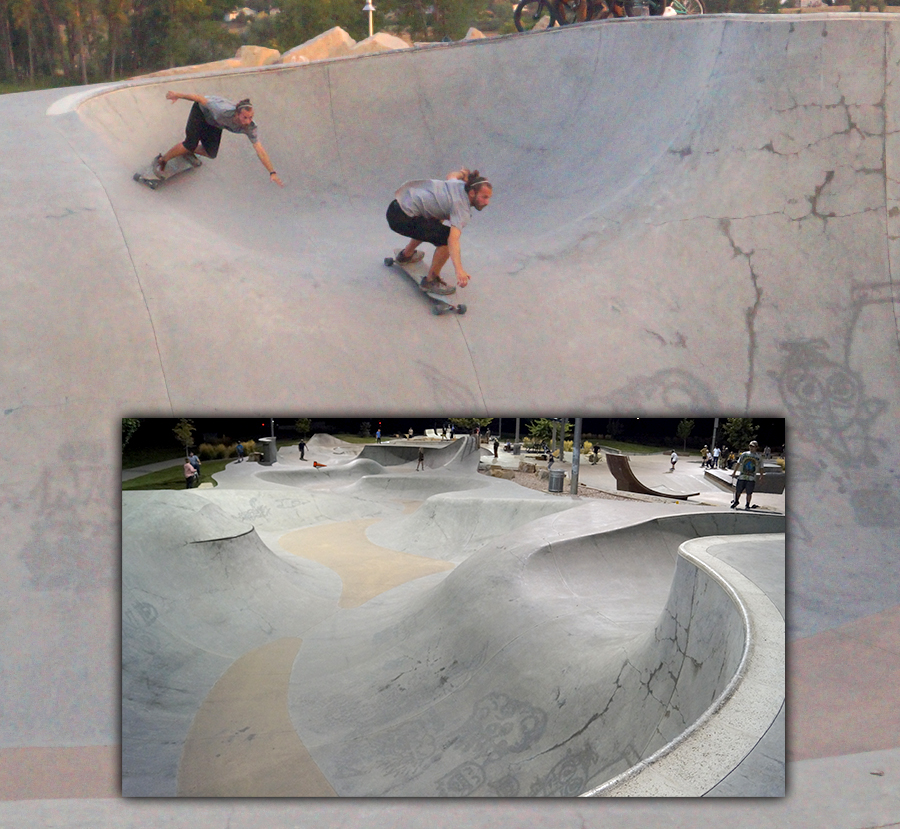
[[436, 311], [460, 309], [137, 176], [388, 261]]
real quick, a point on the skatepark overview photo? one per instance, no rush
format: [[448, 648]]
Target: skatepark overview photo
[[691, 217], [423, 630]]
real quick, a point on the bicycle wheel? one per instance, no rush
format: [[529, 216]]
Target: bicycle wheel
[[533, 14]]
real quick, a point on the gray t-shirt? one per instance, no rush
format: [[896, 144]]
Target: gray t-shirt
[[220, 112], [436, 199]]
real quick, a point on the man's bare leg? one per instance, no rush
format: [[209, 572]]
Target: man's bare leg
[[441, 255], [180, 149], [410, 249]]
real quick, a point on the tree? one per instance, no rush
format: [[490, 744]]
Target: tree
[[129, 427], [303, 425], [300, 20], [738, 432], [685, 427], [541, 429], [469, 424], [614, 428], [184, 431]]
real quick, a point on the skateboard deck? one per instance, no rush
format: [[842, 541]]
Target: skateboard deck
[[417, 271], [152, 177]]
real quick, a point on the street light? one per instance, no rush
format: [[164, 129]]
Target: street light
[[369, 8]]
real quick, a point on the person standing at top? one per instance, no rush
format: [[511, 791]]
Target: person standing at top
[[209, 115], [421, 208], [748, 469]]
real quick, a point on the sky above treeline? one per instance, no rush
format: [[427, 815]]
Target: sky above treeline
[[771, 431]]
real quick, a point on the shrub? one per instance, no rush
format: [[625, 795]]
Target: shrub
[[206, 451]]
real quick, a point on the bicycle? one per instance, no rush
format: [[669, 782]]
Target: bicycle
[[529, 13]]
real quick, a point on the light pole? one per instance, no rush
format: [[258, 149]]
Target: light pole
[[369, 8]]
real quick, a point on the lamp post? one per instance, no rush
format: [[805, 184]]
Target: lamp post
[[369, 8]]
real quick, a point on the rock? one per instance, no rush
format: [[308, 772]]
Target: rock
[[379, 42], [213, 66], [334, 43], [524, 466], [474, 34], [499, 472], [257, 56]]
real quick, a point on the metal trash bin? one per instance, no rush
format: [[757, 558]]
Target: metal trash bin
[[557, 479], [270, 451], [517, 449]]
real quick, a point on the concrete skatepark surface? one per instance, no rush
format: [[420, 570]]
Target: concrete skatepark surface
[[713, 235], [485, 640]]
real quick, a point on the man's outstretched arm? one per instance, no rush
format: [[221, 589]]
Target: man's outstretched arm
[[264, 158]]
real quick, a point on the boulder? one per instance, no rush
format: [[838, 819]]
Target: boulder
[[293, 59], [474, 34], [213, 66], [334, 43], [524, 466], [379, 42], [257, 56], [499, 472]]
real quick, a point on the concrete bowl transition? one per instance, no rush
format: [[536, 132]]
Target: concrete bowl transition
[[420, 641]]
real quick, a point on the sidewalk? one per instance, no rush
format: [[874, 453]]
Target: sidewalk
[[652, 471], [137, 471]]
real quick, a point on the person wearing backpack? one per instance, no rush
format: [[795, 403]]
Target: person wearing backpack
[[747, 469]]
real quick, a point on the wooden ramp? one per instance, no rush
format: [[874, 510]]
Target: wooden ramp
[[626, 481]]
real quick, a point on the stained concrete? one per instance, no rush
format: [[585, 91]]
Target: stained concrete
[[731, 250]]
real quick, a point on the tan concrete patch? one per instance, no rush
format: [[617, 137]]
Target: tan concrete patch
[[242, 742], [366, 569], [838, 688], [42, 773]]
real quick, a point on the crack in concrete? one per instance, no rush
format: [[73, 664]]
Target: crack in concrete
[[751, 313]]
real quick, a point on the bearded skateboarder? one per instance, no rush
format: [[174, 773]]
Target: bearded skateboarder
[[208, 117], [419, 211]]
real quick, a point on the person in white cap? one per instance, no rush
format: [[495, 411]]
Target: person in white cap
[[748, 469]]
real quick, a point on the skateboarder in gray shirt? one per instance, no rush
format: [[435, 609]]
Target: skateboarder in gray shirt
[[209, 116], [419, 211]]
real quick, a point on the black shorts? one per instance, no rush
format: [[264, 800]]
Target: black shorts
[[198, 131], [419, 228], [743, 486]]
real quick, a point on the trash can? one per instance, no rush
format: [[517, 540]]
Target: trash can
[[557, 479], [517, 448], [270, 451]]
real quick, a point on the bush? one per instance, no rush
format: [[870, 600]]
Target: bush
[[223, 451], [206, 451]]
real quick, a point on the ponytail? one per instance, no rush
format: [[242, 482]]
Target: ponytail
[[474, 181]]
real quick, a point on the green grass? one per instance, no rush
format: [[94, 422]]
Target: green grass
[[173, 478], [141, 457], [9, 87], [634, 448]]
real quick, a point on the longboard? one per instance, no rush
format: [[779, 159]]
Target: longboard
[[153, 177], [417, 271]]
